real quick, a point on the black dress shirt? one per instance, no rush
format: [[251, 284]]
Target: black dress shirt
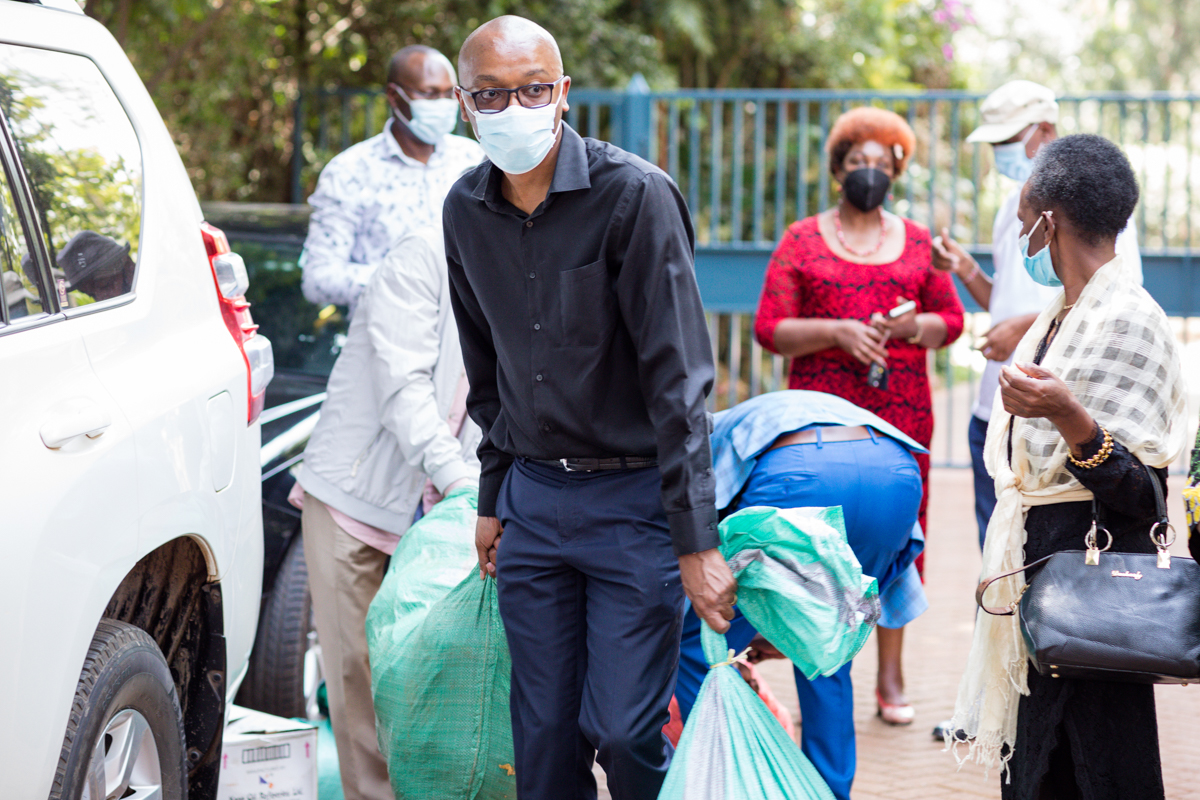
[[582, 328]]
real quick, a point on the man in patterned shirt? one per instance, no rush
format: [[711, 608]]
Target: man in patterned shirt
[[372, 194]]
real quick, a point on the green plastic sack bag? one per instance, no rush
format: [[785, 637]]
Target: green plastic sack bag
[[432, 558], [800, 584], [440, 669], [732, 748]]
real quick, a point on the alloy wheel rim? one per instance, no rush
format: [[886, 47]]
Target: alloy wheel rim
[[124, 763]]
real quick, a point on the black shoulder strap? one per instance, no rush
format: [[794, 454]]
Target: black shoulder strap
[[1160, 502]]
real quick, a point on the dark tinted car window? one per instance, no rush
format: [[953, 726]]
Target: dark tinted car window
[[305, 337], [20, 290], [84, 165]]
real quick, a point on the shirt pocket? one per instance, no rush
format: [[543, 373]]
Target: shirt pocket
[[588, 305]]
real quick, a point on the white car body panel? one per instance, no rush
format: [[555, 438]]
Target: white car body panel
[[77, 519]]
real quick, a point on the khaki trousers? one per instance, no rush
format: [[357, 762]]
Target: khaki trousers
[[343, 576]]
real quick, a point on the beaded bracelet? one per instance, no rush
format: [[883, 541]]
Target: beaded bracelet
[[1098, 459], [974, 272], [916, 337]]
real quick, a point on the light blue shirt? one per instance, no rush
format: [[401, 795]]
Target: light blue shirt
[[744, 432]]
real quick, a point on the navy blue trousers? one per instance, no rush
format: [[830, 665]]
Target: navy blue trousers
[[592, 605], [985, 487], [878, 485]]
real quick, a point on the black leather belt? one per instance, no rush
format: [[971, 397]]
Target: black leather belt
[[593, 464]]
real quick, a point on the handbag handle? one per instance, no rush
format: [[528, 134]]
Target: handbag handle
[[1161, 521], [1011, 608], [1160, 503]]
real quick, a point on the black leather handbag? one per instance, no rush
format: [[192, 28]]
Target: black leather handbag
[[1111, 616]]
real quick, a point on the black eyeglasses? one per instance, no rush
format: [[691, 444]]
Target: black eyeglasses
[[493, 101], [416, 94]]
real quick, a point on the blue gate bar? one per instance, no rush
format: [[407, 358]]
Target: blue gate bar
[[760, 139], [738, 175], [781, 140], [716, 160]]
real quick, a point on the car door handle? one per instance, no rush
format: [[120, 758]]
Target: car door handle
[[85, 419]]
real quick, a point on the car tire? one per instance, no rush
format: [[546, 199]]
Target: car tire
[[125, 734], [284, 666]]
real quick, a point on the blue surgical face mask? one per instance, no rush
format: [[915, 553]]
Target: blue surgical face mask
[[1011, 159], [1039, 266], [431, 119]]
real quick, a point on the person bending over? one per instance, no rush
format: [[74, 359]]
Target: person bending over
[[794, 449]]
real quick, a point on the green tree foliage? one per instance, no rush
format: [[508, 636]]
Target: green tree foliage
[[874, 44], [226, 73], [1085, 46], [1143, 45]]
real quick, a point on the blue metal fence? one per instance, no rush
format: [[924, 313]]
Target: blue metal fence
[[751, 161]]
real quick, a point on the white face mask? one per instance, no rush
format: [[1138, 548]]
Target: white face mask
[[431, 119], [518, 138]]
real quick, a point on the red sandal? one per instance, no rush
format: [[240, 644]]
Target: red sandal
[[894, 714]]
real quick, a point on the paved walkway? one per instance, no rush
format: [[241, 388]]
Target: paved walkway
[[902, 763]]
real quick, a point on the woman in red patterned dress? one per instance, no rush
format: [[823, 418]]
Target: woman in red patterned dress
[[824, 303]]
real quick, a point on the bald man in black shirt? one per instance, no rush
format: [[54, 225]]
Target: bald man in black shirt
[[572, 279]]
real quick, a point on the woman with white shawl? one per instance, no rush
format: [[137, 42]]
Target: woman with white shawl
[[1094, 396]]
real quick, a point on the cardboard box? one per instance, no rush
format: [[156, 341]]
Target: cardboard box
[[265, 757]]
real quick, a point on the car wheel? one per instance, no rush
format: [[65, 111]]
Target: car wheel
[[125, 734], [286, 667]]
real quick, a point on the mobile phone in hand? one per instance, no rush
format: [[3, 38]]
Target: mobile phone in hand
[[877, 376]]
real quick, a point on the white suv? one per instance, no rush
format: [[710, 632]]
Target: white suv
[[131, 380]]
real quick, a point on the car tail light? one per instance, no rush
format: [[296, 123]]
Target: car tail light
[[229, 275]]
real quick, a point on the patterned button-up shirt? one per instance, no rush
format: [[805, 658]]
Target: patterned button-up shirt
[[367, 198]]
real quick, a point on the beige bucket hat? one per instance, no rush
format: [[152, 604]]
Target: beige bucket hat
[[1013, 107]]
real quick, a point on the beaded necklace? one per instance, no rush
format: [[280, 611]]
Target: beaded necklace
[[841, 237]]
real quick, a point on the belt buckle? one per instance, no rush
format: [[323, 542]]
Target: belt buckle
[[567, 467]]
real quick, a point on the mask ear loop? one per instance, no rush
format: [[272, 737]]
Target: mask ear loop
[[1028, 237], [1049, 217], [396, 111]]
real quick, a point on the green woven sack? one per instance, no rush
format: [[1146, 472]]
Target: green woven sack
[[440, 669], [732, 748], [800, 584]]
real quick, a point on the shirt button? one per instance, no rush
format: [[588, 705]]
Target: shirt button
[[537, 326], [546, 426], [539, 376], [529, 224], [533, 275]]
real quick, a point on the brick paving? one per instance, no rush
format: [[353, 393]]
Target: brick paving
[[903, 763]]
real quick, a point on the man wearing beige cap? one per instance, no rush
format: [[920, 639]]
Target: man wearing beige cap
[[1018, 118]]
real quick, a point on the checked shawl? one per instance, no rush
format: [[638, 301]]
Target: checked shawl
[[1117, 354]]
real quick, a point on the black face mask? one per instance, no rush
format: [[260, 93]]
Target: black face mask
[[866, 188]]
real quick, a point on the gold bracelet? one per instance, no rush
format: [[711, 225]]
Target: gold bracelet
[[916, 337], [1098, 459]]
